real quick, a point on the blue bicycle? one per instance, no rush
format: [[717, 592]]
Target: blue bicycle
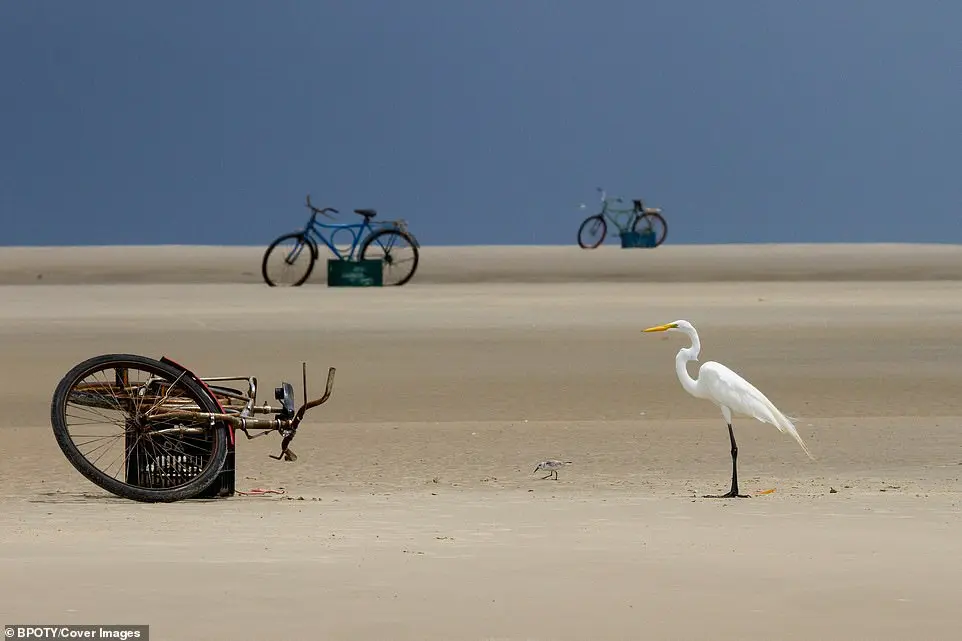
[[391, 242]]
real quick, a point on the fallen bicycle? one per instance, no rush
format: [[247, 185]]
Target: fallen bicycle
[[176, 429]]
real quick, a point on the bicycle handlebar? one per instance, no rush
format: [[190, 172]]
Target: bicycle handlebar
[[604, 196], [287, 427], [323, 210], [247, 422]]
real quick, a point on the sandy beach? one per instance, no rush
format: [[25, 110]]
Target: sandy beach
[[412, 511]]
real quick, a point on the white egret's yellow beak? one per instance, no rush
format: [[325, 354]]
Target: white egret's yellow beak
[[661, 328]]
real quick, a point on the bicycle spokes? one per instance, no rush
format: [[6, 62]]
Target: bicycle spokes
[[294, 253], [288, 261], [108, 416], [397, 253], [592, 232]]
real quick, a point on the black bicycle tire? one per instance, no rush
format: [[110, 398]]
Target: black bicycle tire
[[394, 232], [194, 487], [310, 268], [604, 231], [654, 215]]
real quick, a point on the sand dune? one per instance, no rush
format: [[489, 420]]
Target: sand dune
[[412, 511], [464, 265]]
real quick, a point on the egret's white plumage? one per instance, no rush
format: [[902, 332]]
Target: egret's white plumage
[[727, 390], [741, 397]]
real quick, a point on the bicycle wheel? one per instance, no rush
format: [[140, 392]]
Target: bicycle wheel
[[593, 225], [286, 259], [129, 401], [397, 250], [652, 221]]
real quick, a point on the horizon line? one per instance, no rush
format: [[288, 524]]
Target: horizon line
[[506, 245]]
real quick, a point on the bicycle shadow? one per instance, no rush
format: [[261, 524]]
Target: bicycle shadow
[[61, 498]]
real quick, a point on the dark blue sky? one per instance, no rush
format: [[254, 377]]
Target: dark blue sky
[[481, 121]]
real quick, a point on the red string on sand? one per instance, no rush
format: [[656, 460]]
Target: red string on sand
[[258, 491]]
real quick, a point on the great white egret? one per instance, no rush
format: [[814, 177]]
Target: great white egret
[[729, 391]]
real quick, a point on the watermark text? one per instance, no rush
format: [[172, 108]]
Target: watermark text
[[78, 632]]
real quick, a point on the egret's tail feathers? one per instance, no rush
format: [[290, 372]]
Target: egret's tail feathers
[[787, 426], [784, 424], [802, 443]]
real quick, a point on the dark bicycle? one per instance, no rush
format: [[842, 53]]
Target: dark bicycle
[[640, 219]]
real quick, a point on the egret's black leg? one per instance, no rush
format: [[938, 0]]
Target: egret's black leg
[[732, 493]]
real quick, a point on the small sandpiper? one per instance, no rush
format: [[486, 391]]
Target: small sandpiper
[[552, 466]]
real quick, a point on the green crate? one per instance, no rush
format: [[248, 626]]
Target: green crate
[[634, 239], [355, 273]]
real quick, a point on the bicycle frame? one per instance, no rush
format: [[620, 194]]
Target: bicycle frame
[[616, 215], [286, 420], [314, 231]]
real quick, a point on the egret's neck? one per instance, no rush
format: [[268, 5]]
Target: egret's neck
[[681, 361]]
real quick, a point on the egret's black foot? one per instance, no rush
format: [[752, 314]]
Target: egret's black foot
[[732, 494]]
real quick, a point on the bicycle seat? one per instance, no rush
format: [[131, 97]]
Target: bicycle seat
[[367, 213]]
